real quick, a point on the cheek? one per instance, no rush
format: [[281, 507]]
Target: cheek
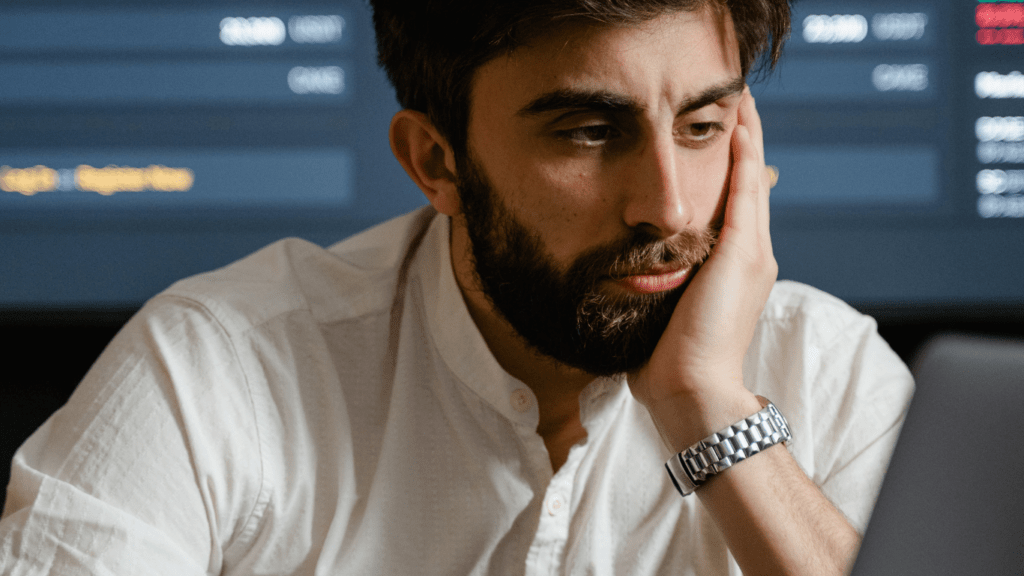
[[559, 191], [565, 207], [546, 199]]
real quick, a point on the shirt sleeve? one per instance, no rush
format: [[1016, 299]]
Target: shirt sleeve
[[152, 467], [863, 422], [840, 385]]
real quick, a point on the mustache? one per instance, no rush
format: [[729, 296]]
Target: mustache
[[641, 251]]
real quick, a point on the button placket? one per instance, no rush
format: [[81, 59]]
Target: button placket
[[555, 518], [555, 504]]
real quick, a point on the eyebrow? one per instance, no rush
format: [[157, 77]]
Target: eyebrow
[[571, 99]]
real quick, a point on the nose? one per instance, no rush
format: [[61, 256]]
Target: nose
[[656, 194]]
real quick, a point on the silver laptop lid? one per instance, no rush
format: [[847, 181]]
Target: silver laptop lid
[[952, 501]]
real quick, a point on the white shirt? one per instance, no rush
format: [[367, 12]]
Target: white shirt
[[311, 411]]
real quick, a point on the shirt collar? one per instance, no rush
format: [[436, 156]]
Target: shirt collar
[[457, 338]]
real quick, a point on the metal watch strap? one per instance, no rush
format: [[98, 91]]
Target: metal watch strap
[[691, 467]]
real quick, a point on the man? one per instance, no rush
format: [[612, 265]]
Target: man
[[492, 385]]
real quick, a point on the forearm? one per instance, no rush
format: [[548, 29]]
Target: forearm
[[773, 517]]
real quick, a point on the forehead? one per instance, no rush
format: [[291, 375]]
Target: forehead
[[657, 63]]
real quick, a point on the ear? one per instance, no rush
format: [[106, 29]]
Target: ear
[[427, 158]]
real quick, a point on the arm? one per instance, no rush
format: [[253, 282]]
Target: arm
[[774, 519], [127, 477]]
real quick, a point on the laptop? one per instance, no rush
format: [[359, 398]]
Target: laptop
[[952, 502]]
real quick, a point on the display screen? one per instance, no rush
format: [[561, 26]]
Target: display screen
[[144, 141]]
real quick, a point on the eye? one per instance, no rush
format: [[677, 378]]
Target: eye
[[590, 135], [701, 132]]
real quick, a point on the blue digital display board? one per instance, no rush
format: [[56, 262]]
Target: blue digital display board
[[144, 141]]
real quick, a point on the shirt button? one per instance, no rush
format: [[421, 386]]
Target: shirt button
[[555, 505], [521, 400]]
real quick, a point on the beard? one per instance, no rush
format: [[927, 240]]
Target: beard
[[563, 312]]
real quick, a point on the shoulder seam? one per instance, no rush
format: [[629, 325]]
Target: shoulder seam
[[253, 517]]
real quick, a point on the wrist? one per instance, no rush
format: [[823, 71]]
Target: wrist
[[685, 418], [660, 383], [718, 452]]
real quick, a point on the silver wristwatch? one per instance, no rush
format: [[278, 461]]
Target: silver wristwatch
[[691, 467]]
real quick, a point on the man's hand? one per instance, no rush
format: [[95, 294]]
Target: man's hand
[[774, 519], [698, 361]]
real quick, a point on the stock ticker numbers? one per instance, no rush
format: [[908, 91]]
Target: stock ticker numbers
[[271, 30], [883, 27], [999, 90], [853, 108], [91, 73], [913, 62], [886, 93], [1000, 23]]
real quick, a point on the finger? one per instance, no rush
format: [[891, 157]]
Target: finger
[[741, 210], [771, 176], [749, 117]]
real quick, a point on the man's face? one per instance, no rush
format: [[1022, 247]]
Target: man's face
[[599, 160]]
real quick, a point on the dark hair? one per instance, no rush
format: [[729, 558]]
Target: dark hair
[[431, 49]]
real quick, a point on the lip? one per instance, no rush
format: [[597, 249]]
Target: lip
[[656, 282]]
